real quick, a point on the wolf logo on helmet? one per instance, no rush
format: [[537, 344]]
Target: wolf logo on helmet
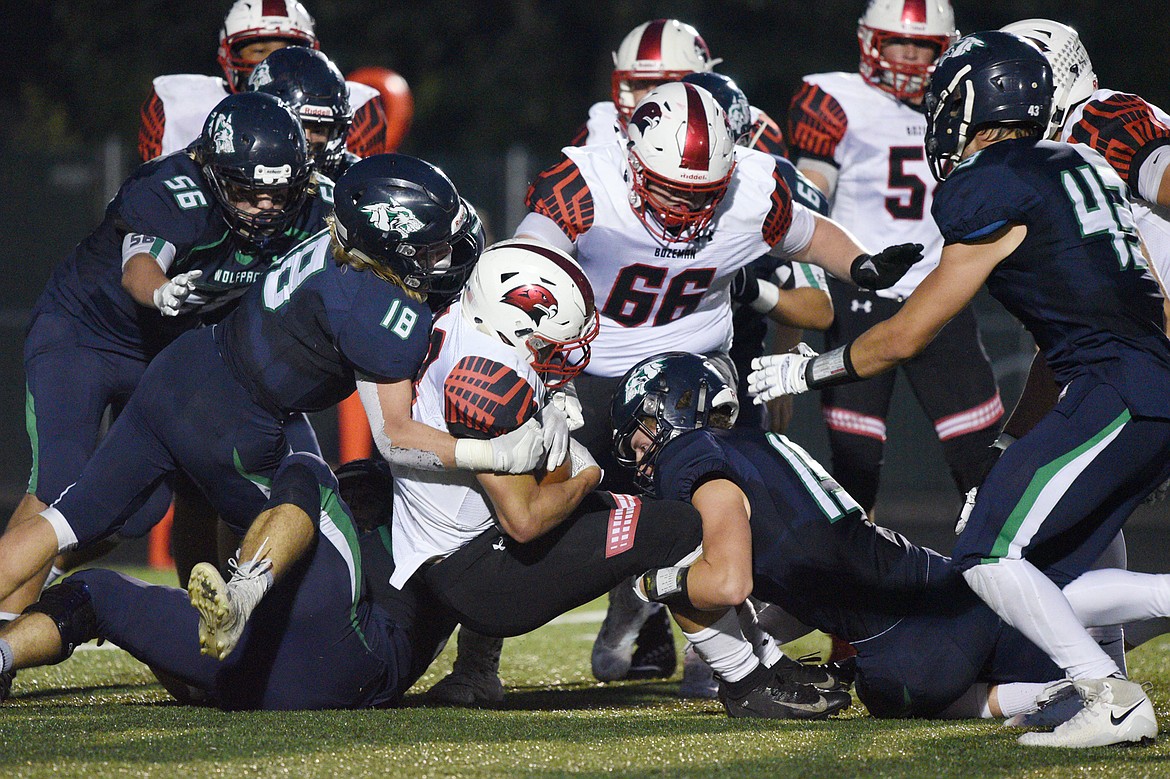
[[222, 134], [534, 300], [387, 216], [260, 76]]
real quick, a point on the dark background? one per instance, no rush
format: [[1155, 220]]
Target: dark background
[[498, 87]]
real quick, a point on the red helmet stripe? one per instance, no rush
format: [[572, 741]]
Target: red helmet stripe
[[274, 8], [650, 47], [914, 12], [696, 153], [574, 271]]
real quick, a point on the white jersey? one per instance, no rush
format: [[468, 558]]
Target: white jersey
[[884, 185], [475, 385], [1134, 137], [187, 99], [653, 296]]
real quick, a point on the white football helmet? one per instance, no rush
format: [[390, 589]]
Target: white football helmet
[[252, 20], [681, 157], [656, 51], [1072, 72], [930, 22], [536, 299]]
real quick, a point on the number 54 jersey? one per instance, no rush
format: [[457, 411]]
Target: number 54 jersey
[[884, 186], [656, 296]]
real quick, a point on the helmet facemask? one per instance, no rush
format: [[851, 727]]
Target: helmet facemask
[[685, 218], [236, 191], [904, 80]]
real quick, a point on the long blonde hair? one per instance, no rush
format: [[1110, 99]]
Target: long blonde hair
[[360, 262]]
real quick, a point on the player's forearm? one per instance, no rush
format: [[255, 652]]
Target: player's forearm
[[408, 442], [805, 308], [833, 248], [528, 517], [141, 276]]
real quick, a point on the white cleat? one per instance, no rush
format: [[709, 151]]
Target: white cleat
[[613, 649], [224, 607], [698, 680], [1116, 711]]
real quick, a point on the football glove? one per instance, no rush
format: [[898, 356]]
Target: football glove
[[582, 459], [519, 451], [774, 375], [170, 297], [884, 269], [554, 428], [566, 399]]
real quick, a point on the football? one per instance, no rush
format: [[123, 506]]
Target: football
[[557, 476]]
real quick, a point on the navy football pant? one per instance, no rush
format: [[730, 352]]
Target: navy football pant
[[1060, 494], [69, 388], [951, 378], [310, 644], [189, 412], [499, 587]]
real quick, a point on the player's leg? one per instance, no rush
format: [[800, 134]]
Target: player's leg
[[954, 384], [1067, 485], [475, 675]]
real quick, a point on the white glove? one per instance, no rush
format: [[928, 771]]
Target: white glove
[[965, 512], [555, 430], [516, 452], [566, 400], [581, 459], [774, 375], [169, 297]]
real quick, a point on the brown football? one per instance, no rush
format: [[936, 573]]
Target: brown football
[[555, 477]]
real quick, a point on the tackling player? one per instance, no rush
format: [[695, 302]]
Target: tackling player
[[184, 237], [1046, 226], [858, 136], [178, 104], [345, 306], [650, 55]]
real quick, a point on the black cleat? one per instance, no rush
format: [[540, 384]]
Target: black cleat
[[773, 700], [6, 684], [654, 654], [826, 678]]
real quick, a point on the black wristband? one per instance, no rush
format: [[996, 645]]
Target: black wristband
[[667, 585], [831, 368]]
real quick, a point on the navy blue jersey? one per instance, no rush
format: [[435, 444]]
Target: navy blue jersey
[[169, 199], [1078, 281], [304, 332]]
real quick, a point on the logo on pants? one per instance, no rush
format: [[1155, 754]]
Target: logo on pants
[[623, 523]]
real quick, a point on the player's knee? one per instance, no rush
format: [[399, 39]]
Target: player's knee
[[70, 607]]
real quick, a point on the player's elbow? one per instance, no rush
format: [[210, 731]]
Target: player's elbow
[[820, 316], [730, 588], [520, 525]]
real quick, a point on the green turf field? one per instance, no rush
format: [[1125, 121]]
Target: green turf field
[[99, 715]]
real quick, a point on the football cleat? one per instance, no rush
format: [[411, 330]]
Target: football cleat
[[613, 649], [698, 678], [1116, 711], [654, 654], [1057, 704], [772, 699], [6, 684], [475, 676], [224, 607], [823, 677]]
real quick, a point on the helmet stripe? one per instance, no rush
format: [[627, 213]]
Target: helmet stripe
[[274, 8], [696, 153], [914, 12], [650, 46]]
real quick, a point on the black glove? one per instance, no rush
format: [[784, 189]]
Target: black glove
[[884, 269], [746, 287]]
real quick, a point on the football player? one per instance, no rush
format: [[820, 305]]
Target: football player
[[178, 104], [1019, 213], [858, 136], [344, 307], [184, 237], [331, 635], [642, 218], [776, 524], [650, 55]]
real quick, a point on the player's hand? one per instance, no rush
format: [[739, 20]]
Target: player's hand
[[774, 375], [554, 427], [169, 298], [519, 451], [745, 288], [884, 269], [582, 460], [566, 400]]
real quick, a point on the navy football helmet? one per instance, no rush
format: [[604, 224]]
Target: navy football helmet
[[985, 78], [252, 146], [315, 90], [367, 487], [734, 102], [404, 214], [678, 390]]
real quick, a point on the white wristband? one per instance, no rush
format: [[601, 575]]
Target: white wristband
[[473, 455], [768, 298]]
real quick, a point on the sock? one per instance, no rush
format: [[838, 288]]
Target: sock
[[55, 573], [972, 704], [8, 616], [723, 646], [1028, 601], [763, 645], [1019, 697], [6, 658], [1111, 639], [737, 690]]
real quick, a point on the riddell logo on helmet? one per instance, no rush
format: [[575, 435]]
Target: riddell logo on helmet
[[279, 174], [317, 110], [534, 300]]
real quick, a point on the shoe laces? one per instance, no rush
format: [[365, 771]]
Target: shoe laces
[[251, 569]]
